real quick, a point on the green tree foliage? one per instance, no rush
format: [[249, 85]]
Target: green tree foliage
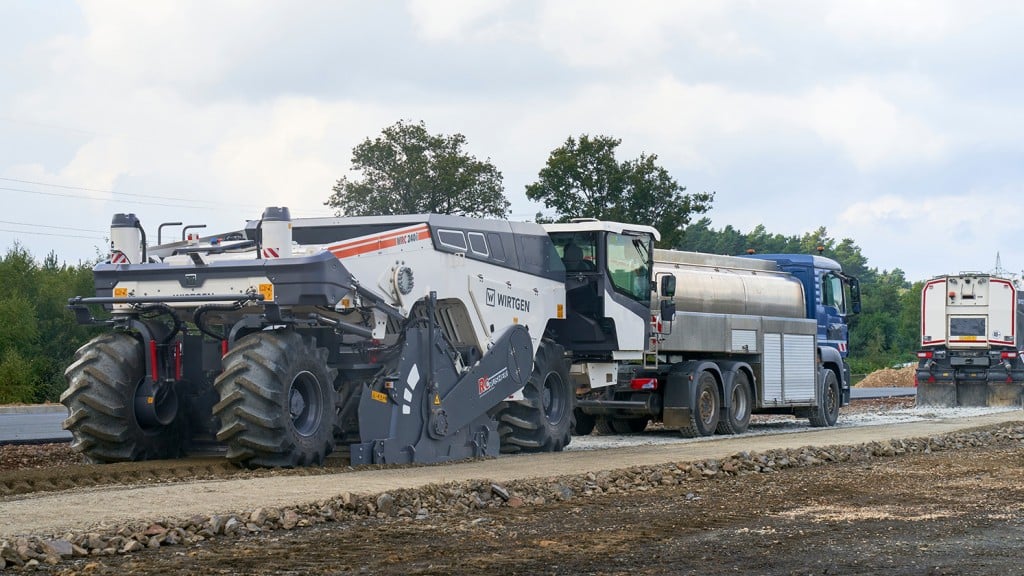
[[38, 335], [582, 178], [407, 170]]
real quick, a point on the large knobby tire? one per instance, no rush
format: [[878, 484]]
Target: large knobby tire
[[827, 411], [736, 418], [102, 384], [277, 401], [704, 413], [542, 421]]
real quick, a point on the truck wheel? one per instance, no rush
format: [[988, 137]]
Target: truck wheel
[[542, 421], [629, 425], [583, 423], [277, 401], [704, 413], [827, 412], [604, 426], [102, 385], [736, 418]]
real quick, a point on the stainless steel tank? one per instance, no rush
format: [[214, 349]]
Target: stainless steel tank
[[730, 285]]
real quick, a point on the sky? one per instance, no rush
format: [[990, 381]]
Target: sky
[[898, 124]]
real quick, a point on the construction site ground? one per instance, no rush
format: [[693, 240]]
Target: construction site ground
[[954, 510]]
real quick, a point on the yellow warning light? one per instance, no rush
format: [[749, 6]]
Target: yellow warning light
[[120, 292], [560, 311], [437, 400], [267, 290], [515, 319], [149, 399]]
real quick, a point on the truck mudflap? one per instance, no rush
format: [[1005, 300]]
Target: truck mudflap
[[428, 412], [970, 387]]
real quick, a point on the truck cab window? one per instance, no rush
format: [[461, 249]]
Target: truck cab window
[[628, 265], [832, 292]]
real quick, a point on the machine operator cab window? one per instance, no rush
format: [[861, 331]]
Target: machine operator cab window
[[578, 251], [629, 258]]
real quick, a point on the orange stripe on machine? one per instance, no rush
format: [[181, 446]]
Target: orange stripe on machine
[[377, 242]]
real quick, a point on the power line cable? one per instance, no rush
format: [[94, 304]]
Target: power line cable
[[80, 197], [47, 226], [68, 187], [53, 234]]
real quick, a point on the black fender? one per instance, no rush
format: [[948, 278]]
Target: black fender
[[830, 359], [729, 368], [679, 388]]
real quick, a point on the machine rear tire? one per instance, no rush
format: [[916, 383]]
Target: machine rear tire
[[827, 412], [102, 384], [704, 413], [736, 418], [543, 420], [277, 401]]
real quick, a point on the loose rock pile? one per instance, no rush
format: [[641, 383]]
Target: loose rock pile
[[889, 378], [463, 498]]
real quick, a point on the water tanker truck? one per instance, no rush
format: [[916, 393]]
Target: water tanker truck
[[757, 334], [970, 341], [430, 338]]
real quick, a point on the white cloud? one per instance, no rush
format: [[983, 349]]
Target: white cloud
[[900, 22], [454, 20], [869, 127], [932, 234]]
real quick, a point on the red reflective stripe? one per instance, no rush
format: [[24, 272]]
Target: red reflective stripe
[[153, 358], [269, 253], [177, 361], [380, 241]]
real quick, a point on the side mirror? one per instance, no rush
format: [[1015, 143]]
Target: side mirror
[[668, 310], [668, 286]]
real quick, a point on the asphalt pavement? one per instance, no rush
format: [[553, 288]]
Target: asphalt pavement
[[40, 424], [33, 424]]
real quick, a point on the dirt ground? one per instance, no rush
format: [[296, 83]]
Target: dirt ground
[[944, 513]]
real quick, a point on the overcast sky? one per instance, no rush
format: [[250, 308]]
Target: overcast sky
[[897, 124]]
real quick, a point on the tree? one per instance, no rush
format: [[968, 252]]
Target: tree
[[582, 178], [407, 170]]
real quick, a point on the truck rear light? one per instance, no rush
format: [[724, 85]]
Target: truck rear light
[[924, 354], [1007, 354], [644, 384]]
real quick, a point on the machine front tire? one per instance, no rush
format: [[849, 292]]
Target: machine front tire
[[277, 401], [102, 384], [704, 413], [827, 412], [736, 418], [543, 420]]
